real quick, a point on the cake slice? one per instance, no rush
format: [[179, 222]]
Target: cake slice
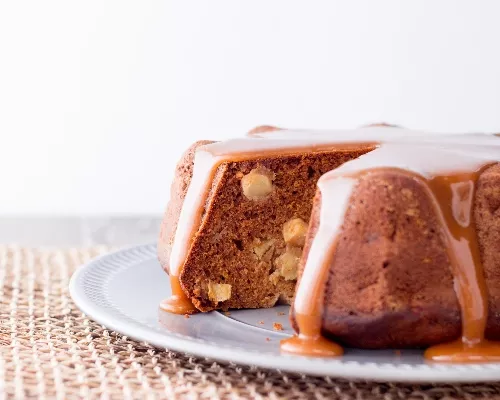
[[246, 245]]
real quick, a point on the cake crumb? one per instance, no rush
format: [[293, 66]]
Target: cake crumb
[[268, 339], [281, 313], [227, 313], [277, 326], [398, 353], [261, 322], [186, 316]]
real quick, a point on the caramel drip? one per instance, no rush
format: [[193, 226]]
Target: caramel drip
[[310, 293], [309, 341], [178, 303], [197, 195], [455, 197]]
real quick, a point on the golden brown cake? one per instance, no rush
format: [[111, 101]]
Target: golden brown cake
[[401, 248]]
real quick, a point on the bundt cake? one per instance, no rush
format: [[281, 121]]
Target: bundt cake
[[395, 246]]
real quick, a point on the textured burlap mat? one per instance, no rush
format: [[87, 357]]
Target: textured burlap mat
[[49, 349]]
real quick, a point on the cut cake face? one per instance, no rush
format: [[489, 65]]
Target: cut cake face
[[246, 251]]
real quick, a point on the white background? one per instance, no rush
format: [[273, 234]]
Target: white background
[[99, 98]]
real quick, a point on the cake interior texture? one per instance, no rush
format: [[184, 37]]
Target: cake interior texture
[[246, 252]]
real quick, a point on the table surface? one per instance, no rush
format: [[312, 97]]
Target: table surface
[[74, 231]]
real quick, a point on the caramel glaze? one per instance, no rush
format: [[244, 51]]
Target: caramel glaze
[[178, 302], [453, 196], [309, 341]]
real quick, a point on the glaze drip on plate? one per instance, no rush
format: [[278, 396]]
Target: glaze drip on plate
[[447, 165]]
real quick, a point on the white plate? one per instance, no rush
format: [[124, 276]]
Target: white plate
[[122, 291]]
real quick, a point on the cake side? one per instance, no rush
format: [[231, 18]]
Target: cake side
[[246, 251], [390, 283], [178, 190], [487, 218]]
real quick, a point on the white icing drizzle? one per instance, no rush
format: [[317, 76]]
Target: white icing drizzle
[[377, 134], [331, 218], [259, 145], [189, 218]]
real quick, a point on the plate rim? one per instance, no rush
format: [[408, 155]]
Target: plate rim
[[354, 370]]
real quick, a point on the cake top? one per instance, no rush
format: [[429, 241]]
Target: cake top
[[286, 139]]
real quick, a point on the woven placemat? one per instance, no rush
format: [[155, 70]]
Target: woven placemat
[[49, 349]]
